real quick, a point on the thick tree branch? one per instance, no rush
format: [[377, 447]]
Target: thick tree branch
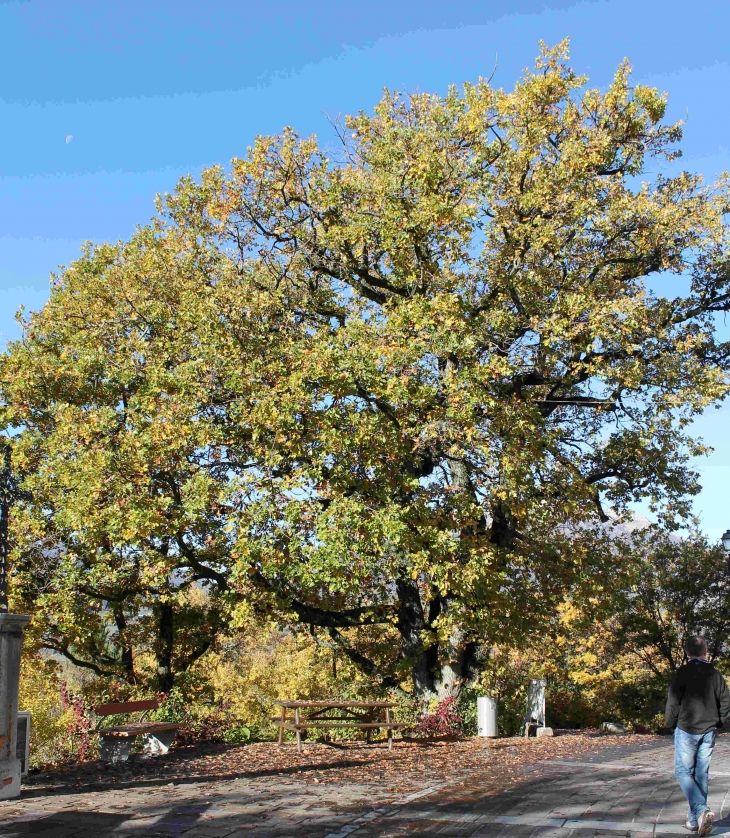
[[365, 664]]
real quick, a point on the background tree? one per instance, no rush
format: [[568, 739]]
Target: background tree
[[679, 587], [384, 393]]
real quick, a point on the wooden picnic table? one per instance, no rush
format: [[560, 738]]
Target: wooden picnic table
[[358, 714]]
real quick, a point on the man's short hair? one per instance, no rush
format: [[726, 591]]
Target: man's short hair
[[695, 647]]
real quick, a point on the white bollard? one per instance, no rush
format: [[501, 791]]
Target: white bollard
[[487, 716]]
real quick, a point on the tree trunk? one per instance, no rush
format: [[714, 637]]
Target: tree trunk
[[412, 627], [165, 631], [437, 680], [127, 655], [438, 670], [460, 666]]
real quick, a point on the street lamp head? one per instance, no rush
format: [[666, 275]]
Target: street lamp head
[[726, 541]]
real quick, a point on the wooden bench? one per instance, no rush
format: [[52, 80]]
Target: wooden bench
[[353, 714], [116, 742]]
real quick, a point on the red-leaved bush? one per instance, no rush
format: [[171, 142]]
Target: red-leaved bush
[[444, 721], [78, 730]]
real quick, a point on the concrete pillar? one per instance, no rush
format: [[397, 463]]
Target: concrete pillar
[[11, 640]]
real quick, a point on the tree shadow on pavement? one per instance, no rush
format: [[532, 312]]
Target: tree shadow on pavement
[[120, 782]]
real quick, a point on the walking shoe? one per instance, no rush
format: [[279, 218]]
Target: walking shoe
[[692, 827], [704, 822]]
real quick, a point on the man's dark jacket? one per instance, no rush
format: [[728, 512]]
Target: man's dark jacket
[[698, 699]]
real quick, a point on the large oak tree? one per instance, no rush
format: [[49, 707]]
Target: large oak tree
[[386, 391]]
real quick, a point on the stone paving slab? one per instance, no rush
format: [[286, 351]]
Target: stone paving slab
[[625, 789], [629, 790]]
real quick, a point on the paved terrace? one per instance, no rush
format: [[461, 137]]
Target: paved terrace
[[626, 787]]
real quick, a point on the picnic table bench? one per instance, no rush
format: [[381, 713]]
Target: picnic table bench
[[116, 742], [352, 714]]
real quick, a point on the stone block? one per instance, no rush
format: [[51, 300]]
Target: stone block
[[115, 748], [11, 638], [613, 727], [159, 742]]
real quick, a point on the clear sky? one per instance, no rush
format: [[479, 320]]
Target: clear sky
[[149, 90]]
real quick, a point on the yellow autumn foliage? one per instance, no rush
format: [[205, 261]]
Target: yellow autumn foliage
[[40, 694]]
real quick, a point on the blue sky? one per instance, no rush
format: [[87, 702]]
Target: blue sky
[[150, 90]]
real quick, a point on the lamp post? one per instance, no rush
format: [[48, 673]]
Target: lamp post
[[725, 538], [11, 640]]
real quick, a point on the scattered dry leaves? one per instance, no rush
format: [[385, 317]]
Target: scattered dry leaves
[[410, 766]]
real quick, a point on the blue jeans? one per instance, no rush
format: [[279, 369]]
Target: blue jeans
[[692, 754]]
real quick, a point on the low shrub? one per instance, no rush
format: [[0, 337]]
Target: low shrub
[[444, 720]]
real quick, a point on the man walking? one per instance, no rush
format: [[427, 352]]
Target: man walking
[[698, 702]]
